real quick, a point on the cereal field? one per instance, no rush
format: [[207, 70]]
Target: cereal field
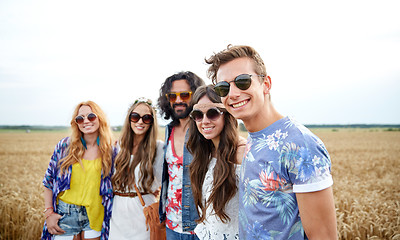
[[365, 168]]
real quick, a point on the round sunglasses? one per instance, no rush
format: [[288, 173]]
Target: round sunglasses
[[184, 95], [212, 114], [80, 119], [243, 82], [147, 118]]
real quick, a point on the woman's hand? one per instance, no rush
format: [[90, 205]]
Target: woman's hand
[[52, 224]]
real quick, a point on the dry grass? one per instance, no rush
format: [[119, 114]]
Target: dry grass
[[365, 171], [365, 168], [23, 160]]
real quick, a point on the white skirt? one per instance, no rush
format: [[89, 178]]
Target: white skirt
[[127, 220]]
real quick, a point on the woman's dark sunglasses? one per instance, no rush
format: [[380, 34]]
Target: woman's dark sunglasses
[[243, 82], [135, 117], [185, 95], [212, 114], [80, 119]]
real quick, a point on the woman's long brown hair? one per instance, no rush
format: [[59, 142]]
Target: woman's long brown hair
[[76, 148], [124, 176], [224, 182]]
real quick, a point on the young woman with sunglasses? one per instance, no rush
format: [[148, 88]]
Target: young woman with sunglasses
[[78, 205], [217, 151], [139, 162]]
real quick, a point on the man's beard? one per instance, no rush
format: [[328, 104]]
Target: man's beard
[[181, 114]]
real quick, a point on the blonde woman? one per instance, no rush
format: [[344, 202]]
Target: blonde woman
[[78, 190], [139, 162]]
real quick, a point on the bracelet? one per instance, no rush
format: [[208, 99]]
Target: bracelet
[[48, 215], [45, 210]]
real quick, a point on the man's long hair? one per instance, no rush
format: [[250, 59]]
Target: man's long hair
[[194, 82], [224, 176]]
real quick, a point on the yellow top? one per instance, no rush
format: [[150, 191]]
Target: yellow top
[[85, 191]]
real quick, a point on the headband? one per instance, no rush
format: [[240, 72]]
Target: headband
[[143, 100], [208, 105]]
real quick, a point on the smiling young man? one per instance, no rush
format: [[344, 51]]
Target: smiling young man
[[177, 206], [285, 188]]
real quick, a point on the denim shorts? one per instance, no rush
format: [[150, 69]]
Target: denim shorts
[[74, 218], [171, 234]]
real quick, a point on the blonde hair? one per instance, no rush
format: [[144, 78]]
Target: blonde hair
[[124, 176], [76, 148]]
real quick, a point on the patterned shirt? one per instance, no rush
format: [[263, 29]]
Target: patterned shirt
[[174, 199], [189, 211], [58, 183], [212, 228], [281, 160]]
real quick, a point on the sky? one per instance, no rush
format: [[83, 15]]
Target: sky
[[331, 62]]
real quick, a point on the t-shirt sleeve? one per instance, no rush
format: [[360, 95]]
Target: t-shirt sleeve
[[311, 169]]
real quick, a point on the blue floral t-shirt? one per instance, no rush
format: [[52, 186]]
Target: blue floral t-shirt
[[281, 160]]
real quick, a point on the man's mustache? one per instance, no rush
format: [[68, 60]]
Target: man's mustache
[[179, 104]]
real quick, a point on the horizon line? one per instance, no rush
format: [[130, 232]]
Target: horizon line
[[359, 125]]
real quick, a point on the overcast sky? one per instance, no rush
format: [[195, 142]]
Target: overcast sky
[[335, 62]]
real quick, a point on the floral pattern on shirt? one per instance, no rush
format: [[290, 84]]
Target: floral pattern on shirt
[[174, 200], [212, 228], [281, 160]]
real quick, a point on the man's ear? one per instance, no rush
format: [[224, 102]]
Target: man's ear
[[267, 83]]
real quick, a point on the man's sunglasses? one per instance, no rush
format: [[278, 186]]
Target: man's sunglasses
[[243, 82], [80, 119], [212, 114], [184, 95], [147, 118]]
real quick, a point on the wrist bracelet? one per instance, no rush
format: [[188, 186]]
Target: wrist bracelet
[[48, 215], [45, 210]]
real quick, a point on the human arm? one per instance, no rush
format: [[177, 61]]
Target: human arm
[[241, 149], [317, 213], [49, 181], [158, 164], [51, 217], [157, 168]]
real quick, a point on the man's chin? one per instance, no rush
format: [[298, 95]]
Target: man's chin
[[181, 115]]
